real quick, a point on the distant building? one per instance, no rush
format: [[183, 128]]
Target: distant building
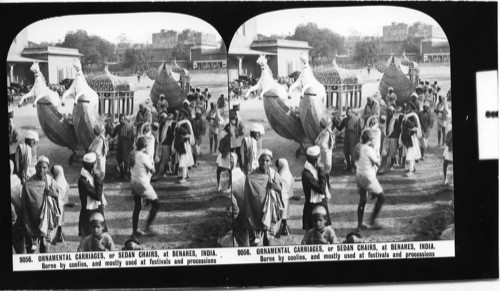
[[432, 42], [283, 55], [421, 30], [165, 39], [208, 59], [190, 38], [56, 63], [435, 51], [395, 32]]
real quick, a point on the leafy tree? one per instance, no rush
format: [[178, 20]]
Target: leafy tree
[[411, 45], [366, 52], [181, 51], [93, 48], [324, 42]]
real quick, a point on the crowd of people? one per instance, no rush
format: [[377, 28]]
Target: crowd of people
[[376, 140], [160, 142], [155, 144]]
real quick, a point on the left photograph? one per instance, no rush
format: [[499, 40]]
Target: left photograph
[[116, 134]]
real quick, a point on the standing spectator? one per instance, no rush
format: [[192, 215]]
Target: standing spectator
[[184, 112], [223, 159], [91, 196], [373, 125], [221, 102], [199, 130], [164, 147], [214, 121], [26, 157], [314, 187], [263, 188], [98, 240], [162, 105], [13, 139], [144, 115], [427, 123], [151, 141], [18, 239], [391, 97], [140, 184], [367, 160], [442, 113], [237, 129], [40, 207], [393, 132], [448, 152], [61, 183], [372, 108], [410, 134], [286, 193], [250, 148], [183, 142], [206, 97], [326, 143], [100, 147], [125, 132], [352, 127]]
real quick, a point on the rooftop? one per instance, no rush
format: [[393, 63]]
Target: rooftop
[[280, 43], [51, 50]]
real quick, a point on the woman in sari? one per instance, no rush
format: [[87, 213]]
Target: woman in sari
[[262, 196], [100, 147], [58, 174]]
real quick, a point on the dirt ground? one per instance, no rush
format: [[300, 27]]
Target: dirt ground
[[408, 200], [191, 215]]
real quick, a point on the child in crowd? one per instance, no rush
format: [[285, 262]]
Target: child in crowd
[[319, 234], [98, 240]]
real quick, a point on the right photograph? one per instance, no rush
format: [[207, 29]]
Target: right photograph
[[341, 127]]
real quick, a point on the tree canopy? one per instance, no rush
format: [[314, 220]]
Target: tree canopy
[[366, 52], [93, 48], [411, 45], [324, 42]]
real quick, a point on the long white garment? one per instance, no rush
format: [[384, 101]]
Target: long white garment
[[326, 142], [186, 160], [91, 203], [315, 197], [253, 148]]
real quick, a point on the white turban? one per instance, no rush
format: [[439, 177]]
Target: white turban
[[43, 159], [257, 127], [313, 151], [90, 158], [319, 209]]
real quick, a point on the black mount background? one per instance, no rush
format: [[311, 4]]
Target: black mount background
[[471, 29]]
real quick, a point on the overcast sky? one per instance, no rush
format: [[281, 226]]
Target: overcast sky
[[138, 27], [366, 21]]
